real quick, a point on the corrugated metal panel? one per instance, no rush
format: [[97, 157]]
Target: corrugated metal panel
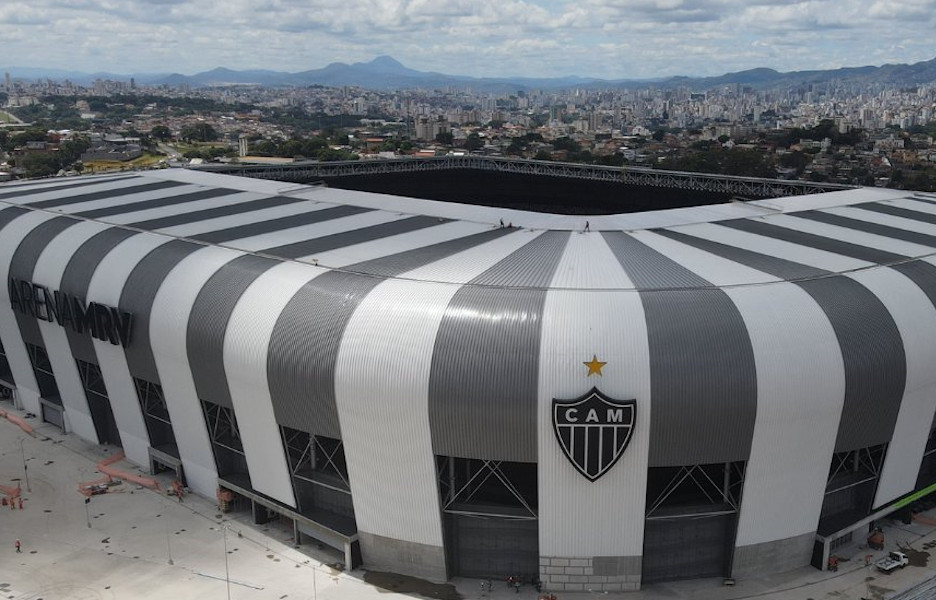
[[220, 202], [50, 265], [13, 232], [77, 277], [820, 260], [112, 192], [29, 186], [888, 246], [137, 298], [106, 285], [355, 236], [494, 331], [800, 389], [170, 320], [915, 319], [874, 228], [42, 191], [259, 227], [246, 344], [871, 346], [578, 518], [700, 355], [868, 216], [208, 323], [886, 209], [24, 261], [225, 210], [810, 240], [381, 388], [304, 344], [141, 205]]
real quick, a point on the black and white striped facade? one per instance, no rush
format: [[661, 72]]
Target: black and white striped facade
[[781, 355]]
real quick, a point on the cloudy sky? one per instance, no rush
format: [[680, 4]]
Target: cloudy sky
[[597, 38]]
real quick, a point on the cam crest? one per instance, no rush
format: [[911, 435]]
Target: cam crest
[[593, 430]]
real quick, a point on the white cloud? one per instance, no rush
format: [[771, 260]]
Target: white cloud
[[604, 38]]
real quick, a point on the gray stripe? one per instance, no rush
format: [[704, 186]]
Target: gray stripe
[[923, 274], [130, 207], [355, 236], [23, 264], [241, 232], [77, 278], [875, 228], [101, 195], [304, 345], [496, 332], [778, 267], [872, 349], [810, 240], [41, 189], [137, 298], [9, 213], [703, 377], [213, 213], [208, 323], [897, 211]]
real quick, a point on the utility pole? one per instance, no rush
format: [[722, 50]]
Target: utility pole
[[25, 468]]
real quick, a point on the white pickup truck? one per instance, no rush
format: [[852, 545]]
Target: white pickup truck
[[893, 561]]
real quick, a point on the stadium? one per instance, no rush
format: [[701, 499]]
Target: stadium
[[447, 390]]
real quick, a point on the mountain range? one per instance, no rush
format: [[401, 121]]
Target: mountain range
[[386, 73]]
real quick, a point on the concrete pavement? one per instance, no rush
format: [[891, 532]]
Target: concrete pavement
[[142, 544]]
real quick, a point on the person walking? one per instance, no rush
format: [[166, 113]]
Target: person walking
[[16, 544]]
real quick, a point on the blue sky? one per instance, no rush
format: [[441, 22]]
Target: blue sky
[[533, 38]]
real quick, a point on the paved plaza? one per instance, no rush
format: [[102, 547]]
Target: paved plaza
[[136, 543]]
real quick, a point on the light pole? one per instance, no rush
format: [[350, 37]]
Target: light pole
[[87, 501], [227, 574], [168, 545], [25, 468]]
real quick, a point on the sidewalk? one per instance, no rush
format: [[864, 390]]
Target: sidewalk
[[142, 544]]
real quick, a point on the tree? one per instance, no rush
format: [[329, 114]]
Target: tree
[[658, 135], [445, 137], [161, 132], [200, 132], [474, 142]]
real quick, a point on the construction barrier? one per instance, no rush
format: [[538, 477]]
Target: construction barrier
[[17, 420], [89, 488]]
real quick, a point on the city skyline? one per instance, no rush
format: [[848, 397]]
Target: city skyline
[[512, 38]]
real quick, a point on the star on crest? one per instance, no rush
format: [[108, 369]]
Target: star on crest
[[594, 366]]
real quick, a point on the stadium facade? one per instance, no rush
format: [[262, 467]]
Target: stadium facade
[[445, 390]]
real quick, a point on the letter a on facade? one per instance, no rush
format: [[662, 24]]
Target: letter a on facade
[[593, 446]]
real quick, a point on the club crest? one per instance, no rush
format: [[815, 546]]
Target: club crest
[[593, 431]]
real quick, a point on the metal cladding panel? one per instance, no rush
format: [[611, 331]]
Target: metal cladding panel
[[137, 298], [579, 518], [890, 249], [256, 227], [382, 387], [15, 225], [778, 267], [225, 210], [495, 331], [23, 263], [170, 320], [916, 204], [898, 211], [234, 220], [267, 242], [208, 323], [110, 192], [50, 266], [868, 216], [878, 229], [800, 389], [178, 210], [144, 205], [810, 240], [703, 375], [30, 187], [102, 201], [915, 318], [347, 238], [875, 362], [78, 275], [62, 193], [304, 344], [107, 283], [246, 349], [792, 253]]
